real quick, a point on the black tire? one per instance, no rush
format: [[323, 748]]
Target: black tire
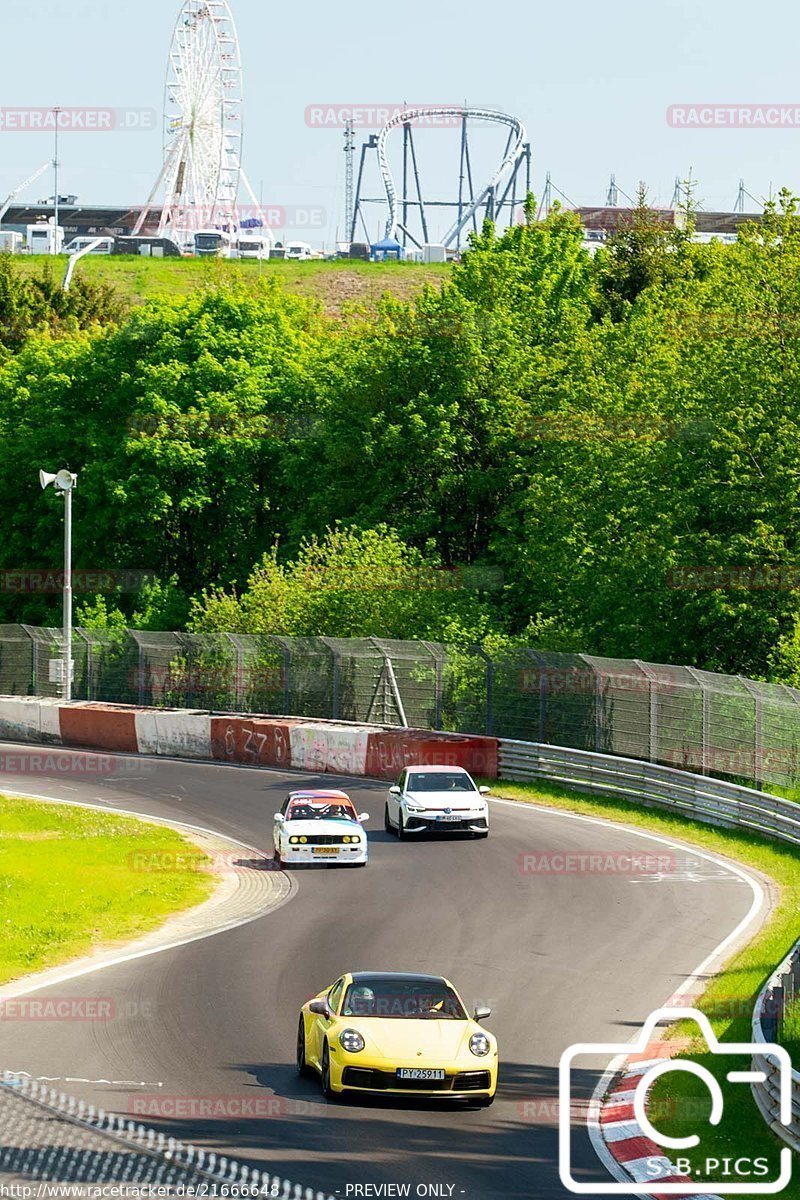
[[327, 1090], [303, 1069], [482, 1102], [401, 827], [387, 824]]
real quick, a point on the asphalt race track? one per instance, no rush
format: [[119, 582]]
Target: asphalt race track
[[559, 957]]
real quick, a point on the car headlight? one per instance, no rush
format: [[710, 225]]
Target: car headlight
[[294, 841], [479, 1044], [351, 1041], [415, 807]]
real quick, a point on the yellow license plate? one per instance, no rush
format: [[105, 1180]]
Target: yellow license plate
[[326, 850]]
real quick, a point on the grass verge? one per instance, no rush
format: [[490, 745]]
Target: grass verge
[[68, 883], [681, 1101], [333, 284]]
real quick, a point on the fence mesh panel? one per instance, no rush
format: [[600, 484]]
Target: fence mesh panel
[[714, 724]]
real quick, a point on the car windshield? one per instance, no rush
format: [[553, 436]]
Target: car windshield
[[439, 781], [334, 810], [419, 999]]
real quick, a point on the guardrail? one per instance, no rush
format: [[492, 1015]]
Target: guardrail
[[782, 987], [713, 802]]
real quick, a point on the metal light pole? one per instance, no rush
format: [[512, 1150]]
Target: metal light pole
[[64, 482], [56, 164]]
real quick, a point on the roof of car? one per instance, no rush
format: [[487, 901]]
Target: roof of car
[[397, 976], [319, 794], [439, 769]]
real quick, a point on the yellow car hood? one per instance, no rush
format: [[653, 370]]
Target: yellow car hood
[[428, 1040]]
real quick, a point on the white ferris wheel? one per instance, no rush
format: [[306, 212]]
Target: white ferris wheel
[[203, 125]]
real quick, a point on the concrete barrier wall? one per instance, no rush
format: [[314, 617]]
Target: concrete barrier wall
[[174, 733], [321, 748], [96, 728], [254, 742], [27, 719], [284, 742], [391, 750]]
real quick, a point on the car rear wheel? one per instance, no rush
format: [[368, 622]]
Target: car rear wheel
[[303, 1068], [327, 1090]]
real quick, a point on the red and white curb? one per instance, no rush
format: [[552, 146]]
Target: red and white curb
[[637, 1156]]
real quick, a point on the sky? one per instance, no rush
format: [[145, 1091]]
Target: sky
[[592, 85]]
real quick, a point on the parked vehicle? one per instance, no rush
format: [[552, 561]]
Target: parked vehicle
[[300, 251], [106, 245]]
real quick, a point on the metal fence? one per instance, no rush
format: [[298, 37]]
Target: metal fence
[[720, 725]]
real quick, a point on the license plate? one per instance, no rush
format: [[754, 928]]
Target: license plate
[[326, 850], [419, 1073], [450, 817]]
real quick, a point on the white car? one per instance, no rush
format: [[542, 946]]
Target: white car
[[320, 827], [436, 799]]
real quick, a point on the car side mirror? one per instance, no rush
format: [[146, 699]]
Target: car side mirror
[[484, 791], [482, 1012], [363, 817], [395, 791], [279, 818], [320, 1007]]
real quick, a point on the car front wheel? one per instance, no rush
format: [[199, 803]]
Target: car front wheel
[[327, 1090], [387, 824], [401, 827], [303, 1068]]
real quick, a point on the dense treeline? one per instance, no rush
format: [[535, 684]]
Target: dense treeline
[[596, 453]]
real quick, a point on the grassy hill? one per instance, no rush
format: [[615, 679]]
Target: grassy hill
[[333, 283]]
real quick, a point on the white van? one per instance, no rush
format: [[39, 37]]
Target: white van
[[299, 251], [106, 245]]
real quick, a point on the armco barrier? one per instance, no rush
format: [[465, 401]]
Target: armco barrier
[[713, 802], [766, 1022]]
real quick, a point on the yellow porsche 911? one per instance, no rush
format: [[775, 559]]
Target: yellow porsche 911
[[397, 1034]]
